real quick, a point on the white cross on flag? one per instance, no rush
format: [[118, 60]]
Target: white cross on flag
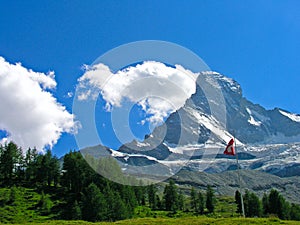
[[230, 148]]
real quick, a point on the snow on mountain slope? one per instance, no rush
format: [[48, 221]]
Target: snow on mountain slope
[[214, 126], [251, 120], [293, 117], [272, 158]]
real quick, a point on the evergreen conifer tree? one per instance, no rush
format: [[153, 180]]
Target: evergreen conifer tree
[[238, 202], [171, 196], [201, 203], [194, 201], [210, 199], [265, 204], [93, 204], [152, 196]]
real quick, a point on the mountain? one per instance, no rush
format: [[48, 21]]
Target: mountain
[[194, 137], [226, 183], [251, 123]]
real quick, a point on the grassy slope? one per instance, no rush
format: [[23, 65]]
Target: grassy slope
[[25, 208], [25, 211]]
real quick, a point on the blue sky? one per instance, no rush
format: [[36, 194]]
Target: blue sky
[[254, 42]]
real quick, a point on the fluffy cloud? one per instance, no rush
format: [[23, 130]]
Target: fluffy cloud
[[29, 113], [157, 88]]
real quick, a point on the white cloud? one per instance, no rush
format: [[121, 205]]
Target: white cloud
[[157, 88], [29, 113], [69, 94]]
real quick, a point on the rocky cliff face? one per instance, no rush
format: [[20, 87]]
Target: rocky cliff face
[[249, 122]]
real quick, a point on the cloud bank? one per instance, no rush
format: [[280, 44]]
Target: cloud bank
[[29, 113], [159, 89]]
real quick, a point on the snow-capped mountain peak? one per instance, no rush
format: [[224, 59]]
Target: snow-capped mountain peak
[[266, 139]]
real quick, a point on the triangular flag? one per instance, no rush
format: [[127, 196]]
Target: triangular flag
[[230, 148]]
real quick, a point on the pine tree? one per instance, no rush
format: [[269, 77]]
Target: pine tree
[[120, 209], [278, 205], [41, 170], [152, 197], [140, 194], [246, 199], [274, 202], [117, 209], [295, 212], [201, 203], [8, 163], [31, 166], [76, 172], [238, 202], [129, 199], [210, 199], [47, 169], [252, 204], [171, 196], [285, 210], [158, 202], [180, 202], [54, 174], [194, 200], [93, 204], [265, 204], [20, 167]]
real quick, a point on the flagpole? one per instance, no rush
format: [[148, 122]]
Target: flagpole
[[239, 178]]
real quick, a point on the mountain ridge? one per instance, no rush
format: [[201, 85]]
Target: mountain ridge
[[194, 137]]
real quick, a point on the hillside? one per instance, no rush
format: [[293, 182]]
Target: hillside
[[26, 210], [25, 205], [34, 188], [226, 183]]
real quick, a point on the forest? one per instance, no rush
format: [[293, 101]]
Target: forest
[[70, 189]]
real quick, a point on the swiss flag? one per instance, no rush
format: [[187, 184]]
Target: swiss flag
[[230, 148]]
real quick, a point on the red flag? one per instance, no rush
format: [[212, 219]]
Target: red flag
[[230, 148]]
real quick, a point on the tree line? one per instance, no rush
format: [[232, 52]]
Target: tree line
[[270, 204], [85, 194]]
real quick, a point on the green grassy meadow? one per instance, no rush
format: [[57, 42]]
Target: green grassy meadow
[[25, 210]]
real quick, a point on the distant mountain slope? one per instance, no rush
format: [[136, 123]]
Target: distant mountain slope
[[226, 183], [223, 180], [194, 138]]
